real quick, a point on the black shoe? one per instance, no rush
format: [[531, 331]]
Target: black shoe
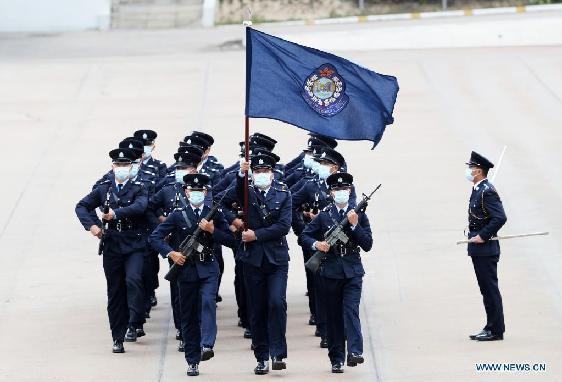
[[131, 335], [178, 335], [337, 368], [118, 346], [147, 314], [277, 363], [140, 332], [193, 370], [262, 368], [219, 298], [490, 337], [312, 320], [317, 333], [324, 343], [473, 336], [153, 300], [181, 346], [240, 324], [247, 333], [207, 353], [354, 359]]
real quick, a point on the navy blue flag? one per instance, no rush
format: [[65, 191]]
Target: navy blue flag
[[315, 90]]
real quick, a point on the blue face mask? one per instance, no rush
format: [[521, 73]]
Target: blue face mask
[[341, 196], [308, 162], [469, 176], [196, 197], [135, 170], [122, 173], [179, 176], [324, 171], [147, 151], [262, 179]]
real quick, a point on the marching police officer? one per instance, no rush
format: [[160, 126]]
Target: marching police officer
[[485, 218], [124, 244], [149, 162], [341, 273], [198, 278], [265, 256]]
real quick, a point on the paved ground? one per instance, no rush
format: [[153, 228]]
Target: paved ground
[[66, 99]]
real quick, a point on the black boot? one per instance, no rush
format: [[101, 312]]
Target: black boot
[[193, 370], [354, 359], [207, 353], [118, 346], [277, 363], [131, 335], [262, 368]]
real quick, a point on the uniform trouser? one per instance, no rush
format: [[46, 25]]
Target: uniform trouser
[[320, 307], [240, 292], [310, 284], [266, 290], [150, 276], [175, 301], [198, 315], [486, 269], [125, 295], [342, 298], [217, 252]]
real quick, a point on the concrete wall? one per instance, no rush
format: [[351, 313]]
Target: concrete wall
[[53, 15]]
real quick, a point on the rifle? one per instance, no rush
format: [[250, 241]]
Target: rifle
[[336, 233], [104, 223], [191, 245]]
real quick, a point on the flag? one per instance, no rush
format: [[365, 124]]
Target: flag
[[315, 90]]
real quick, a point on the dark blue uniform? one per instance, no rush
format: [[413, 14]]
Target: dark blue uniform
[[155, 166], [266, 266], [125, 246], [341, 278], [485, 218], [198, 280]]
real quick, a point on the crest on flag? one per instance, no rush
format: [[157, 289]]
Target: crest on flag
[[324, 91]]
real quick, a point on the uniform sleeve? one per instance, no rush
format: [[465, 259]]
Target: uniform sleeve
[[281, 227], [137, 208], [157, 237], [362, 234], [85, 209], [312, 231], [353, 196], [222, 234], [494, 206]]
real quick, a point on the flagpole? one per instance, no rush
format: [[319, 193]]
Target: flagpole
[[247, 23]]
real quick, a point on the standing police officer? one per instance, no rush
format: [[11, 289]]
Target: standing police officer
[[341, 273], [198, 278], [485, 218], [265, 255], [124, 243]]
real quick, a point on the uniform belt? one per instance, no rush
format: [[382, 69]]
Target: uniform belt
[[123, 226]]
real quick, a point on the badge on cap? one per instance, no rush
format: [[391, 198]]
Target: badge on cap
[[121, 155], [323, 155], [144, 136], [260, 161], [309, 143], [340, 180], [130, 145], [196, 180], [188, 141]]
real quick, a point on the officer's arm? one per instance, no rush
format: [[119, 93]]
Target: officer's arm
[[85, 209], [353, 196], [312, 232], [362, 234], [279, 228], [222, 234], [300, 197], [494, 206], [137, 208], [157, 237]]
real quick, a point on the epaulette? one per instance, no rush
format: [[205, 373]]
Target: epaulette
[[138, 183], [148, 172], [105, 181], [281, 187], [327, 208]]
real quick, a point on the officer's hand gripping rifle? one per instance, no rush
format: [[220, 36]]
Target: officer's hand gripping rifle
[[336, 234], [191, 245], [104, 224]]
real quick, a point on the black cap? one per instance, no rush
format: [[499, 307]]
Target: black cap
[[134, 144], [262, 161], [196, 181], [267, 137], [324, 140], [478, 160], [339, 179], [186, 148], [260, 140], [147, 136], [187, 159], [123, 155], [264, 151], [203, 135], [331, 155], [197, 141]]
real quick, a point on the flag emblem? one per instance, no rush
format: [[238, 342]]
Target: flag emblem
[[324, 91]]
